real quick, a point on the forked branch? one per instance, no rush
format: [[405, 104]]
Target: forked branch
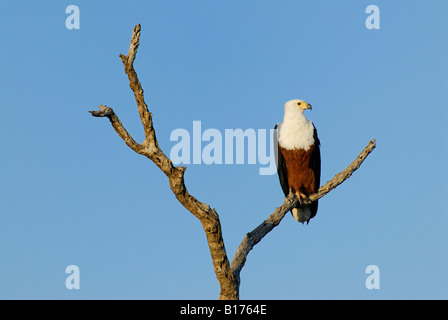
[[150, 148], [228, 275]]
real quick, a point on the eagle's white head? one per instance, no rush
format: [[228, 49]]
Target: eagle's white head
[[296, 104]]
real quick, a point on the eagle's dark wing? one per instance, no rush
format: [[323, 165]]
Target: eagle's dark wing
[[281, 165], [315, 160], [315, 165]]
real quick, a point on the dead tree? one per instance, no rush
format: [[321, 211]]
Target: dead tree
[[228, 274]]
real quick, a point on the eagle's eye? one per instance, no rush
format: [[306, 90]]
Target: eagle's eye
[[299, 103]]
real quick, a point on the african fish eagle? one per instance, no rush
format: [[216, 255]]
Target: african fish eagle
[[298, 159]]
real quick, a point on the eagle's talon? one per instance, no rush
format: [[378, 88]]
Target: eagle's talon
[[301, 197]]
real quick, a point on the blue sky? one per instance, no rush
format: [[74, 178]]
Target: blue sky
[[72, 193]]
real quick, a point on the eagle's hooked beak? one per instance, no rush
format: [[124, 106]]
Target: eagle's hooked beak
[[309, 107]]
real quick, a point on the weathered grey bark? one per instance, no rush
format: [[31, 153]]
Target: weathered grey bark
[[150, 148], [228, 276]]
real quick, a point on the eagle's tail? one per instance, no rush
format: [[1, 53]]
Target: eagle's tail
[[302, 215]]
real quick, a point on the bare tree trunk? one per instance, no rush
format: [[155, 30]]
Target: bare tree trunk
[[228, 275]]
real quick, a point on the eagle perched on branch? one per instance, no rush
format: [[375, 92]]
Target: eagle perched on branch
[[298, 159]]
